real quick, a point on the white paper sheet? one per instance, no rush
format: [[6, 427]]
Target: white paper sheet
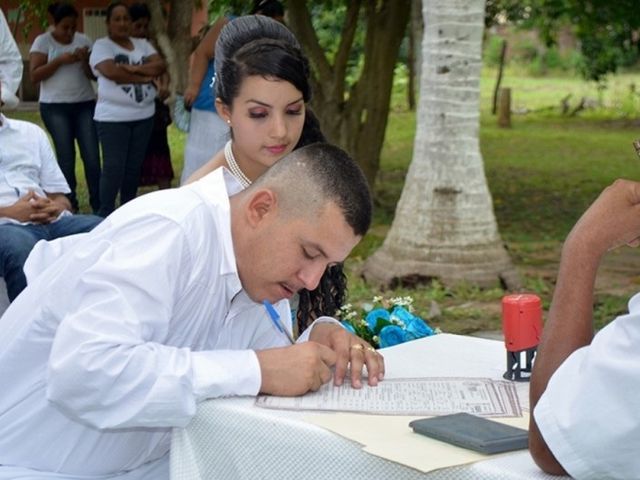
[[390, 437], [413, 396]]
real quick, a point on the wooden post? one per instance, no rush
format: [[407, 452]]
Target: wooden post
[[503, 52], [504, 108]]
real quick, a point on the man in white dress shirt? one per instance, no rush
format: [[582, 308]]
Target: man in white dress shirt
[[584, 388], [33, 205], [116, 340]]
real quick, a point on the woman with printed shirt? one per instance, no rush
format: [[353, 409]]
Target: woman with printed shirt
[[125, 68], [58, 60]]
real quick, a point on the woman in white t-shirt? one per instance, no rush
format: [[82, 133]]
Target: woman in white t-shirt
[[125, 68], [59, 62]]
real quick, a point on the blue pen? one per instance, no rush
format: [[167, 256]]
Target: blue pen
[[275, 318]]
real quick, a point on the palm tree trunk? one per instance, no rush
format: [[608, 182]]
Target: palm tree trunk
[[444, 226]]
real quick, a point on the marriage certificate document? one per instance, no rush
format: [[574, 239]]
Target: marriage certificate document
[[414, 396]]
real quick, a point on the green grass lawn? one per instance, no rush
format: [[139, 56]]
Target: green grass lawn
[[542, 173]]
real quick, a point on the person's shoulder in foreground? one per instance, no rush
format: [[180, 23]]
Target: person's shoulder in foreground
[[584, 387]]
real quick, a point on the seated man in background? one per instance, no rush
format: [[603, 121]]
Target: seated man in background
[[584, 388], [33, 205], [120, 335]]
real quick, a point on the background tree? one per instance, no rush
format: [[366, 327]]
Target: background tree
[[31, 13], [414, 56], [353, 112], [444, 226], [173, 35], [607, 30]]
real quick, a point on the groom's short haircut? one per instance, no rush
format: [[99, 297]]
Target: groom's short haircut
[[310, 177]]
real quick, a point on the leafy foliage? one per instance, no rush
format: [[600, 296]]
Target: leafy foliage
[[220, 8], [607, 30], [327, 23], [34, 13]]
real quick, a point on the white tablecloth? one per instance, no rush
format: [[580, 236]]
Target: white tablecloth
[[233, 439]]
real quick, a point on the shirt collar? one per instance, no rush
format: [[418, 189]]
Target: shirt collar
[[216, 188], [5, 123], [231, 182]]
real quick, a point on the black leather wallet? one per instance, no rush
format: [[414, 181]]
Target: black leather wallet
[[472, 432]]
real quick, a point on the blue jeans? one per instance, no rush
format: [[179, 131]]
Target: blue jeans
[[17, 241], [66, 123], [124, 145]]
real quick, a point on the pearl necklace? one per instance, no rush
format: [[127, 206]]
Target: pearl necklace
[[234, 167]]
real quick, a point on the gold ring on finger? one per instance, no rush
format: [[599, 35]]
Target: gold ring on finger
[[371, 349], [357, 346]]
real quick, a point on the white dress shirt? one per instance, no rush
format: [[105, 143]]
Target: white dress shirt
[[588, 415], [10, 64], [116, 341], [27, 162]]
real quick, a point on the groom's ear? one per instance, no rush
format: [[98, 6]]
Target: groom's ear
[[262, 206]]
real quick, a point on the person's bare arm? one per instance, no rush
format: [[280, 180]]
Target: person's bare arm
[[203, 53], [163, 84], [215, 162], [568, 327], [154, 66], [40, 69], [612, 220], [119, 73], [83, 55]]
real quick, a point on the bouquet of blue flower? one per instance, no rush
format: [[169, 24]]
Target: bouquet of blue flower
[[384, 323]]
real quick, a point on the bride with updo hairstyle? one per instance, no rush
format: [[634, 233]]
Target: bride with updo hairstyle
[[262, 90]]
